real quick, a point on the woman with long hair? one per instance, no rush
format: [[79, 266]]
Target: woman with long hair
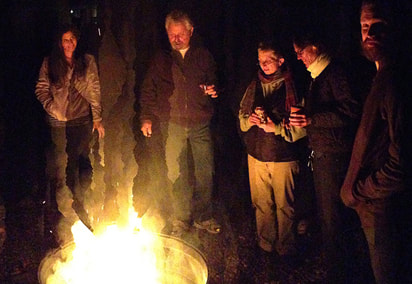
[[69, 90]]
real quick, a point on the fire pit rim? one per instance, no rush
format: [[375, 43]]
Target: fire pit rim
[[56, 251]]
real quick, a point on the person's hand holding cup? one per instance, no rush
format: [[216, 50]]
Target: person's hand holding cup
[[298, 118], [260, 112], [296, 109]]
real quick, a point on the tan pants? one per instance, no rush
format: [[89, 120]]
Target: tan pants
[[271, 186]]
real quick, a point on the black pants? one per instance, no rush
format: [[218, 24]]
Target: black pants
[[68, 167], [337, 221]]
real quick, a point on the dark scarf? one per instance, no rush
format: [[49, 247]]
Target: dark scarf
[[277, 76], [249, 100]]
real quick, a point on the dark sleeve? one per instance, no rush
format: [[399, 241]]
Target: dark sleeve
[[42, 90], [148, 92], [210, 68], [347, 109], [93, 94], [389, 178], [207, 65]]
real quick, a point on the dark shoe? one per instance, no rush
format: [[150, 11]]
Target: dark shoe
[[209, 225], [291, 260], [82, 214], [267, 272]]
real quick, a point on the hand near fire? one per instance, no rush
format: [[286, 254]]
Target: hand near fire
[[209, 90], [146, 128], [98, 125]]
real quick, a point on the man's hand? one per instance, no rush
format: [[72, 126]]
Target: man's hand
[[254, 119], [347, 197], [147, 128], [299, 120], [209, 90], [98, 125], [268, 127]]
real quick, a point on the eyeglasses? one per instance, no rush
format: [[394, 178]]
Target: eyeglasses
[[299, 52]]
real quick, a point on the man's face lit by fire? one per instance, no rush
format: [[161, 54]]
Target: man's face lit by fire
[[306, 54], [374, 34], [179, 36]]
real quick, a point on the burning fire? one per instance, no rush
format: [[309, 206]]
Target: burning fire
[[115, 255]]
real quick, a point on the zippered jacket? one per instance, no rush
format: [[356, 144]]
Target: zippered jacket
[[170, 91], [334, 111], [75, 98]]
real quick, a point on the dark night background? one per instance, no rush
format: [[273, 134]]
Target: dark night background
[[229, 28]]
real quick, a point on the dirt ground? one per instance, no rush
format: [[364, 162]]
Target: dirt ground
[[232, 256]]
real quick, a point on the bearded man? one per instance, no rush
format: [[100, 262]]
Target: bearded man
[[378, 184]]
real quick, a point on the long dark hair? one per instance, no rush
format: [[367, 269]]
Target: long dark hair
[[58, 65]]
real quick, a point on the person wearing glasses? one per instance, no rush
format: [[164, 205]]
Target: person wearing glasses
[[331, 116], [273, 155]]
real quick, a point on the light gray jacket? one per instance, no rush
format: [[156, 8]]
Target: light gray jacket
[[75, 98]]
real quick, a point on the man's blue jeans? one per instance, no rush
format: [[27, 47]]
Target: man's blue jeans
[[189, 153]]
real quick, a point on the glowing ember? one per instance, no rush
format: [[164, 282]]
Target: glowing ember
[[123, 255]]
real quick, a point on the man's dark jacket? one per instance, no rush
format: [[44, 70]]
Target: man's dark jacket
[[379, 175], [171, 92], [333, 110]]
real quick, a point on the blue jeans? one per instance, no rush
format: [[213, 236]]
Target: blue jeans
[[189, 157]]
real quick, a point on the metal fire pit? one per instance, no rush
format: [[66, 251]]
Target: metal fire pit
[[191, 268]]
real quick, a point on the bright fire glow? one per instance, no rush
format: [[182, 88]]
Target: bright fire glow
[[116, 255]]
